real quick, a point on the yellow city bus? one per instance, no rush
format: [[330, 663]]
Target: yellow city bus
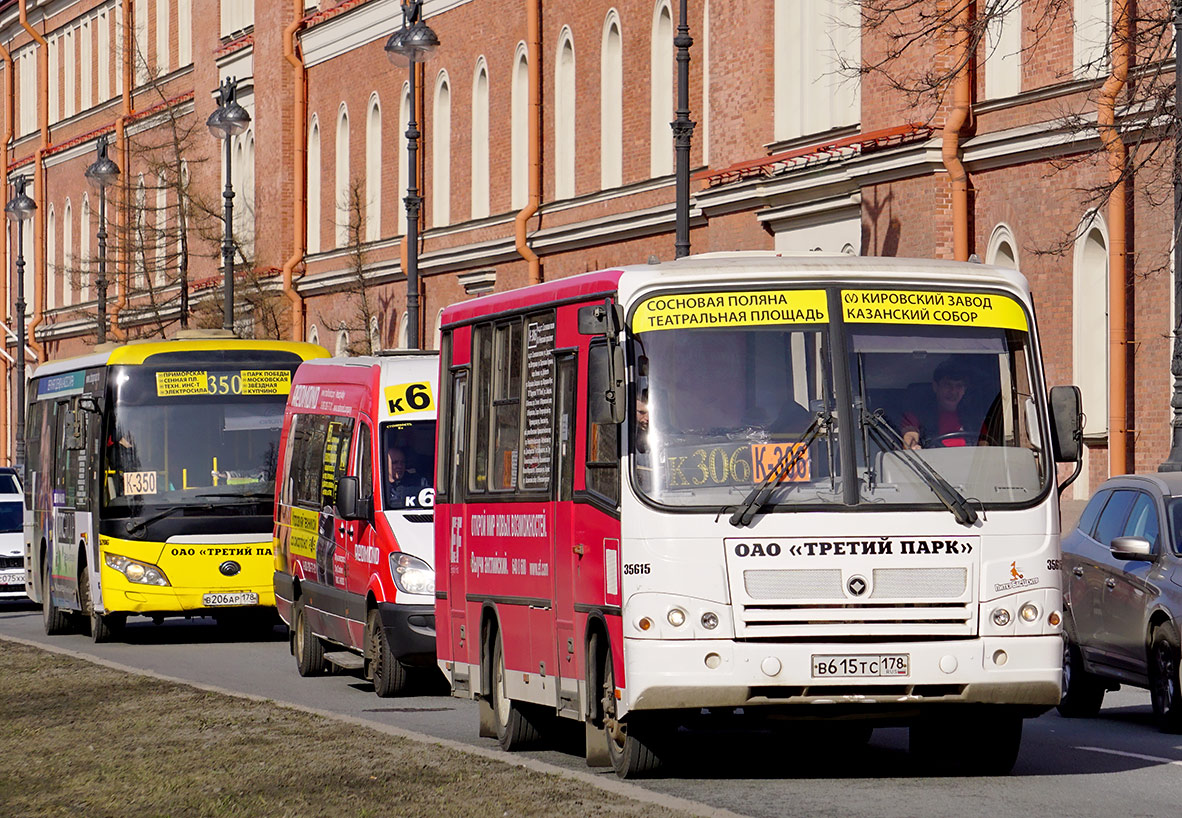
[[149, 481]]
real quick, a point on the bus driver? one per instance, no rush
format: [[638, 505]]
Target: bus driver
[[402, 486]]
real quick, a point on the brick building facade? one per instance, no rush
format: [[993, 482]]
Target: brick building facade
[[789, 153]]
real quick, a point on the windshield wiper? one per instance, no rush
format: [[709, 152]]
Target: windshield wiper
[[792, 454], [233, 495], [160, 515], [890, 440]]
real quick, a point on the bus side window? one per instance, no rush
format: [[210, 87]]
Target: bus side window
[[459, 447], [506, 400], [603, 439], [34, 425], [482, 358], [364, 463], [307, 459]]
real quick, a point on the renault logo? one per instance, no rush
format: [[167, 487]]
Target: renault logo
[[229, 568], [856, 586]]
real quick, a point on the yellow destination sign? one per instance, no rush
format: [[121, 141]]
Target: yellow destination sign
[[404, 398], [743, 308], [947, 308], [305, 530], [242, 382]]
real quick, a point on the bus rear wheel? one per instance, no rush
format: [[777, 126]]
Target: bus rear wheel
[[57, 622], [390, 677], [516, 729], [630, 745], [309, 651]]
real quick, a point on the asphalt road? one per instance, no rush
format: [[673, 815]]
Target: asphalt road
[[1117, 765]]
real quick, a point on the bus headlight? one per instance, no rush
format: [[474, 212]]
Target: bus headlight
[[411, 575], [676, 617], [142, 573], [1028, 612], [1001, 617]]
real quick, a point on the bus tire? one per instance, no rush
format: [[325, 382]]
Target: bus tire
[[389, 675], [103, 628], [630, 746], [56, 621], [1083, 692], [309, 651], [1164, 690], [516, 730]]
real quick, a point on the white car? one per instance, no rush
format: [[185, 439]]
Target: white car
[[12, 538]]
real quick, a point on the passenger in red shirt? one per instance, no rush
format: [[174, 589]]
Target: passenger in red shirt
[[938, 423]]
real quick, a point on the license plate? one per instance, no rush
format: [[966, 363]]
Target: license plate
[[872, 665], [232, 598], [12, 577]]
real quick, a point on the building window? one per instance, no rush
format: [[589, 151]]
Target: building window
[[1093, 27], [661, 99], [441, 154], [373, 171], [564, 118], [67, 244], [82, 275], [85, 62], [163, 61], [611, 110], [1002, 248], [1003, 50], [403, 167], [811, 93], [51, 267], [480, 135], [139, 13], [314, 187], [55, 70], [104, 57], [1090, 330], [184, 32], [70, 102], [344, 210], [519, 131]]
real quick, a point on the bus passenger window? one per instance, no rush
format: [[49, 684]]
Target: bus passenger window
[[603, 444], [482, 356], [506, 406]]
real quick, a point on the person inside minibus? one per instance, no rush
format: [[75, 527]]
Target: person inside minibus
[[402, 485], [938, 419]]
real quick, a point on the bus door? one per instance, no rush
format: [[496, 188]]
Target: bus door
[[358, 538], [465, 647], [566, 548], [70, 445]]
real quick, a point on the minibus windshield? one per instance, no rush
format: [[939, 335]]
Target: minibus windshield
[[197, 441], [408, 465]]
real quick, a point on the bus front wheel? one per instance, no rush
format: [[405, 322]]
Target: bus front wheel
[[389, 675], [56, 621], [516, 730], [309, 651], [103, 628], [630, 746]]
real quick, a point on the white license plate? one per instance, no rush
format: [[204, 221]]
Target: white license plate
[[232, 598], [853, 666], [12, 577]]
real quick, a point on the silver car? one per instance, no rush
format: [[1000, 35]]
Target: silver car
[[1122, 587]]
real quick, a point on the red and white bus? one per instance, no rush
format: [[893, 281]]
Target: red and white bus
[[681, 491]]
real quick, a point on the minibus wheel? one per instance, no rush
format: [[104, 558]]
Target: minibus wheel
[[309, 651], [516, 730], [56, 621], [389, 675]]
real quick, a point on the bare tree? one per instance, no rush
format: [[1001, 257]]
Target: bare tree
[[361, 315]]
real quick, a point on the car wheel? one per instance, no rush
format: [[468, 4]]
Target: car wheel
[[389, 675], [1164, 690], [309, 650], [1083, 692]]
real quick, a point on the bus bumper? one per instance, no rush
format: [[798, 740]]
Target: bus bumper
[[1024, 671], [122, 596], [410, 632]]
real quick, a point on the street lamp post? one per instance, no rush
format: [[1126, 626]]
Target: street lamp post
[[1174, 461], [102, 173], [412, 43], [227, 120], [683, 131], [20, 208]]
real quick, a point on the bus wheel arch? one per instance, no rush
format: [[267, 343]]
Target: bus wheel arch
[[595, 734]]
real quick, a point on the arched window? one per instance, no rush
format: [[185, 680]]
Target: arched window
[[139, 235], [51, 267], [403, 169], [1002, 249], [519, 131], [82, 276], [375, 334], [313, 335], [480, 135], [67, 245], [661, 73], [438, 329], [1090, 330], [161, 231], [564, 118], [441, 154], [342, 347], [373, 171], [248, 211], [403, 328], [314, 193], [344, 210], [611, 108]]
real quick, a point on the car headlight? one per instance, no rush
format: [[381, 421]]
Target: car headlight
[[142, 573], [411, 575]]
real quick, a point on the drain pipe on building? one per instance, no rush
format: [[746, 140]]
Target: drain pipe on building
[[954, 122], [533, 25], [39, 277], [299, 175], [1118, 331]]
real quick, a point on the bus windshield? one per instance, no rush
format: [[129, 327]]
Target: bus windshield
[[203, 439], [408, 465], [717, 408]]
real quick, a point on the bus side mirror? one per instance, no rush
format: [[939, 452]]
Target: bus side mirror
[[88, 403], [605, 384], [593, 318], [350, 506], [1066, 424]]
